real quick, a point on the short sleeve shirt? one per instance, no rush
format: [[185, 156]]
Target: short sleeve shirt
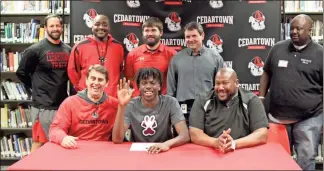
[[213, 116], [153, 124]]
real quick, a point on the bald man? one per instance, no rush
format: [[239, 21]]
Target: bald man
[[101, 49], [228, 117], [293, 72]]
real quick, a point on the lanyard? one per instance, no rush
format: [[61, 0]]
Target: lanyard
[[102, 59]]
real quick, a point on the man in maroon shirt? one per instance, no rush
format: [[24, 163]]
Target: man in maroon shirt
[[101, 49], [151, 54]]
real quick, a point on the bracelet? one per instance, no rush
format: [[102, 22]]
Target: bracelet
[[261, 97]]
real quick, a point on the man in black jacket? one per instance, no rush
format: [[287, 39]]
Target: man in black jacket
[[43, 68]]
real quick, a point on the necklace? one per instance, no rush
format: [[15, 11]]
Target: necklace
[[102, 59]]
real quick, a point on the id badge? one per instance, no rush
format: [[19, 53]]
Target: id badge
[[184, 108], [283, 63]]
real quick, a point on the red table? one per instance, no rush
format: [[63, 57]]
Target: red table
[[108, 156]]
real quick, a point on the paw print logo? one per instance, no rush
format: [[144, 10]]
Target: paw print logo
[[149, 124]]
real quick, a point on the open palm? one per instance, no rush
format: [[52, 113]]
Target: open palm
[[123, 92]]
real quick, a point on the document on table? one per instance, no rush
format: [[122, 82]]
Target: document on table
[[140, 146]]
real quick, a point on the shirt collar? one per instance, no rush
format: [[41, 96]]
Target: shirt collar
[[160, 48], [292, 48], [200, 52]]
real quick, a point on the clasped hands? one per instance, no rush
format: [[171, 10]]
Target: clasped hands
[[225, 142]]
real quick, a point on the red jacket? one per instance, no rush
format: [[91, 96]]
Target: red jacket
[[76, 117], [85, 53]]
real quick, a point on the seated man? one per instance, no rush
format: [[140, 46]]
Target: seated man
[[151, 115], [88, 115], [228, 117]]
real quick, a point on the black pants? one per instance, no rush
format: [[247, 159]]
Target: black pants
[[189, 104]]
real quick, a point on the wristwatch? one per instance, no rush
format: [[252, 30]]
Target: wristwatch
[[233, 145]]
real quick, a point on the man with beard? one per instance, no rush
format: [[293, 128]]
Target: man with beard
[[151, 54], [43, 68], [150, 115], [89, 115], [228, 117], [102, 49], [192, 70], [293, 72]]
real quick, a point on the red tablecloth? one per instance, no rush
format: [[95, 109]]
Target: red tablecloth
[[108, 156]]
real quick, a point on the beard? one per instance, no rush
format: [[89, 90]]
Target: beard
[[51, 35], [152, 43]]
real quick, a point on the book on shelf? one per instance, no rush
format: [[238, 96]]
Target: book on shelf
[[31, 32], [317, 30], [303, 6], [14, 91], [15, 118], [15, 146], [35, 6]]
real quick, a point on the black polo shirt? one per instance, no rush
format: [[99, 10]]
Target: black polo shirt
[[213, 116], [296, 80]]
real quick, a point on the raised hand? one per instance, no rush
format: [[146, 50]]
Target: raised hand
[[124, 92]]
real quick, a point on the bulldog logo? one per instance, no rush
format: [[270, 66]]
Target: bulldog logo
[[173, 21], [89, 16]]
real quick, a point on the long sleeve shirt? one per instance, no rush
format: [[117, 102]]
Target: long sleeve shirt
[[85, 54], [190, 75], [78, 116], [43, 67]]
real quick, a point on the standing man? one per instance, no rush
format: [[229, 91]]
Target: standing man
[[43, 68], [151, 54], [151, 115], [192, 70], [101, 49], [294, 74]]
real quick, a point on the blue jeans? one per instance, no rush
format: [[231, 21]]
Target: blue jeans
[[305, 137]]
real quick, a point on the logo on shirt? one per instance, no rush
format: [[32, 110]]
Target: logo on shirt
[[149, 124], [95, 115], [133, 3], [89, 16], [306, 61], [58, 60], [215, 42], [131, 41], [173, 20], [257, 21], [256, 66], [216, 4]]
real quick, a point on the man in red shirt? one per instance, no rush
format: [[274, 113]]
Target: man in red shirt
[[88, 115], [101, 49], [151, 54]]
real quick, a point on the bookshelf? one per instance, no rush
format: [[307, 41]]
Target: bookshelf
[[314, 9], [22, 24]]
